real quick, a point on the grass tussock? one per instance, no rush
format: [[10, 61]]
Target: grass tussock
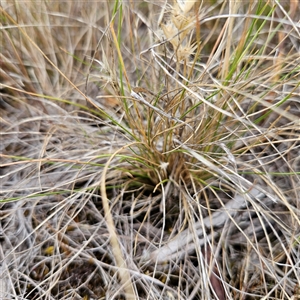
[[150, 150]]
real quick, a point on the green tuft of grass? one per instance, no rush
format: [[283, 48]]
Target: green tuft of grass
[[150, 150]]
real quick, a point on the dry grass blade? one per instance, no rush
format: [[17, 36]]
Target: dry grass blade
[[114, 240]]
